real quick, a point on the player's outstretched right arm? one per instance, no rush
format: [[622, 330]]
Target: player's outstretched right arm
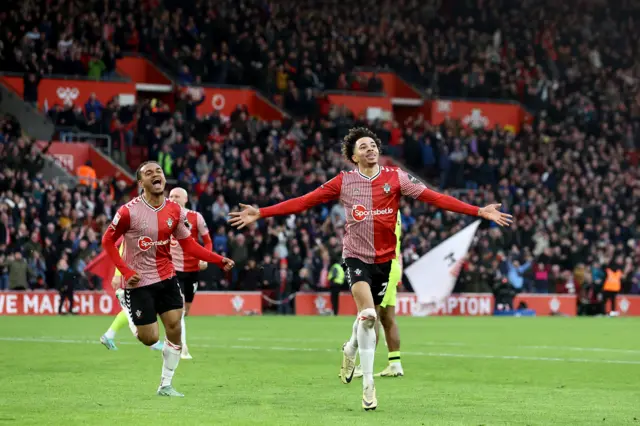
[[116, 229], [327, 192]]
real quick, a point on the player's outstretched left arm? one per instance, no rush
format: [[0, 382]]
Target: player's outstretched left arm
[[327, 192], [190, 246], [415, 189]]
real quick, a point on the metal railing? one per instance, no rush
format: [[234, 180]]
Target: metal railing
[[72, 136]]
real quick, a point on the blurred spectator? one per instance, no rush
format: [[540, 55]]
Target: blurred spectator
[[284, 280], [65, 284], [18, 269]]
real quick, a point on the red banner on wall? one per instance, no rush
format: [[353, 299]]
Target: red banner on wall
[[72, 155], [227, 303], [97, 303], [58, 91], [225, 101], [628, 305], [358, 103], [141, 70], [547, 304], [471, 304], [478, 114], [406, 305], [46, 303]]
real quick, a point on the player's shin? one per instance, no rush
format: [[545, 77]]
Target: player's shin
[[171, 350], [170, 359], [367, 343], [352, 345]]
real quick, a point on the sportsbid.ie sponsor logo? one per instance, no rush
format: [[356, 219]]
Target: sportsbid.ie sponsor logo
[[145, 243], [359, 212]]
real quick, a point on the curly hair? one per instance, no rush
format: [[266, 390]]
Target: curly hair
[[355, 134], [139, 170]]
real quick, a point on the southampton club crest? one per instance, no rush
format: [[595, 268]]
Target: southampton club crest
[[170, 223], [386, 188]]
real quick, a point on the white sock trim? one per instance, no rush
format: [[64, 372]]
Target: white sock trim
[[367, 344], [171, 359]]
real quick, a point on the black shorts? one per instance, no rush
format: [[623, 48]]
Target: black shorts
[[189, 284], [374, 274], [146, 303]]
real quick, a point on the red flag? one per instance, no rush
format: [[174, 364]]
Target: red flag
[[103, 267]]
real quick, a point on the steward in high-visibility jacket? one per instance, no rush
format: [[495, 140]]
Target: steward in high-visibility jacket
[[87, 175], [336, 282], [611, 288]]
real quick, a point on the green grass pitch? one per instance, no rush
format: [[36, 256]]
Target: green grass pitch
[[283, 371]]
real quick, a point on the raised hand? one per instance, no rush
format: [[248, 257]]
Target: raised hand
[[246, 216], [228, 264], [492, 213]]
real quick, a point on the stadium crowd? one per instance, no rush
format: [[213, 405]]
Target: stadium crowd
[[49, 231], [568, 178]]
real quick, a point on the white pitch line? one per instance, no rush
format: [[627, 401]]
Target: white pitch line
[[430, 343], [290, 349]]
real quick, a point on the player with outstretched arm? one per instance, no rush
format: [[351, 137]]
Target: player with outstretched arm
[[370, 195], [147, 223]]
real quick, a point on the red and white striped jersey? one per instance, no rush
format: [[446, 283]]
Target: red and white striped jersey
[[147, 235], [371, 206], [182, 261]]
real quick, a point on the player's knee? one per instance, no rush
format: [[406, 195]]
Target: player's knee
[[368, 317], [148, 339], [173, 328]]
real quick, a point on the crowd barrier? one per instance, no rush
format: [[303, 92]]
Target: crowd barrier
[[250, 303]]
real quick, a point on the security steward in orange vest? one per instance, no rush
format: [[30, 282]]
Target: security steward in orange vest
[[87, 175], [612, 286]]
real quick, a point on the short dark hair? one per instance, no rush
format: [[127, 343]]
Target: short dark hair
[[355, 134], [139, 170]]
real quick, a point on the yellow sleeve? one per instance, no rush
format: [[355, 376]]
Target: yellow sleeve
[[398, 233], [120, 250]]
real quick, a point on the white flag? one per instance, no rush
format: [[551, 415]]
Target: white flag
[[434, 275]]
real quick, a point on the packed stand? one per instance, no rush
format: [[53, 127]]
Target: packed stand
[[573, 66], [524, 51], [48, 231], [64, 37], [573, 188], [560, 242], [527, 51]]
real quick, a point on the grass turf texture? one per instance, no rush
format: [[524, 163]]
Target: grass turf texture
[[283, 371]]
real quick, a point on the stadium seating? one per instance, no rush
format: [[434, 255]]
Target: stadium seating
[[570, 177]]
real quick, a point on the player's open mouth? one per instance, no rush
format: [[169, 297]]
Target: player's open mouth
[[157, 183]]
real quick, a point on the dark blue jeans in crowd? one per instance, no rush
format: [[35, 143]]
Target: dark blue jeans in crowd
[[4, 282], [285, 307]]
